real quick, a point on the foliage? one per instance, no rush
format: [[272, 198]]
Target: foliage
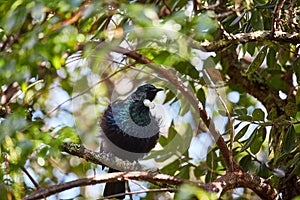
[[58, 69]]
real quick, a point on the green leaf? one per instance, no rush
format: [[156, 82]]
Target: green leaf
[[245, 118], [184, 109], [272, 114], [275, 82], [237, 19], [246, 163], [269, 5], [259, 2], [295, 171], [187, 192], [201, 96], [11, 124], [263, 171], [289, 141], [163, 141], [296, 198], [171, 168], [199, 171], [184, 172], [271, 57], [296, 68], [222, 112], [241, 133], [185, 67], [68, 134], [210, 176], [169, 96], [211, 160], [258, 114], [251, 46], [163, 58], [256, 20], [285, 56], [172, 133], [205, 26], [291, 109], [26, 146], [256, 63], [258, 140], [14, 19], [249, 141], [240, 111], [298, 97]]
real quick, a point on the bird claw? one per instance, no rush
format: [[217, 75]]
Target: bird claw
[[149, 104]]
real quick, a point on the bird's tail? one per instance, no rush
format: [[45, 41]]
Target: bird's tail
[[114, 187]]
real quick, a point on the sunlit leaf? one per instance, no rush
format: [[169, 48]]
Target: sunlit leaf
[[187, 192]]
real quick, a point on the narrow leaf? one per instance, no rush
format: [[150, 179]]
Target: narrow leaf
[[258, 140], [256, 63], [241, 133], [289, 140], [245, 162], [249, 141]]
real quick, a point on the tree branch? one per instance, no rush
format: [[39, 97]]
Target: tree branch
[[276, 22], [224, 183], [103, 178], [242, 38], [100, 158]]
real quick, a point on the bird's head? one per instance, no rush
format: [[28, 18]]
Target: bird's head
[[146, 91]]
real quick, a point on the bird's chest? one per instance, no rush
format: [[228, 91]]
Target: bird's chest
[[121, 128], [140, 115], [135, 121]]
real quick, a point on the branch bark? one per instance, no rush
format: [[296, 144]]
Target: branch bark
[[222, 184], [242, 38], [100, 158]]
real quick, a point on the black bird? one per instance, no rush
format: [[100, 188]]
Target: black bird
[[129, 131]]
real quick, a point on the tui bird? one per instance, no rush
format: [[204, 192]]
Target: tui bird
[[129, 131]]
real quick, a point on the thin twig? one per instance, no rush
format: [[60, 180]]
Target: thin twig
[[36, 185]]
